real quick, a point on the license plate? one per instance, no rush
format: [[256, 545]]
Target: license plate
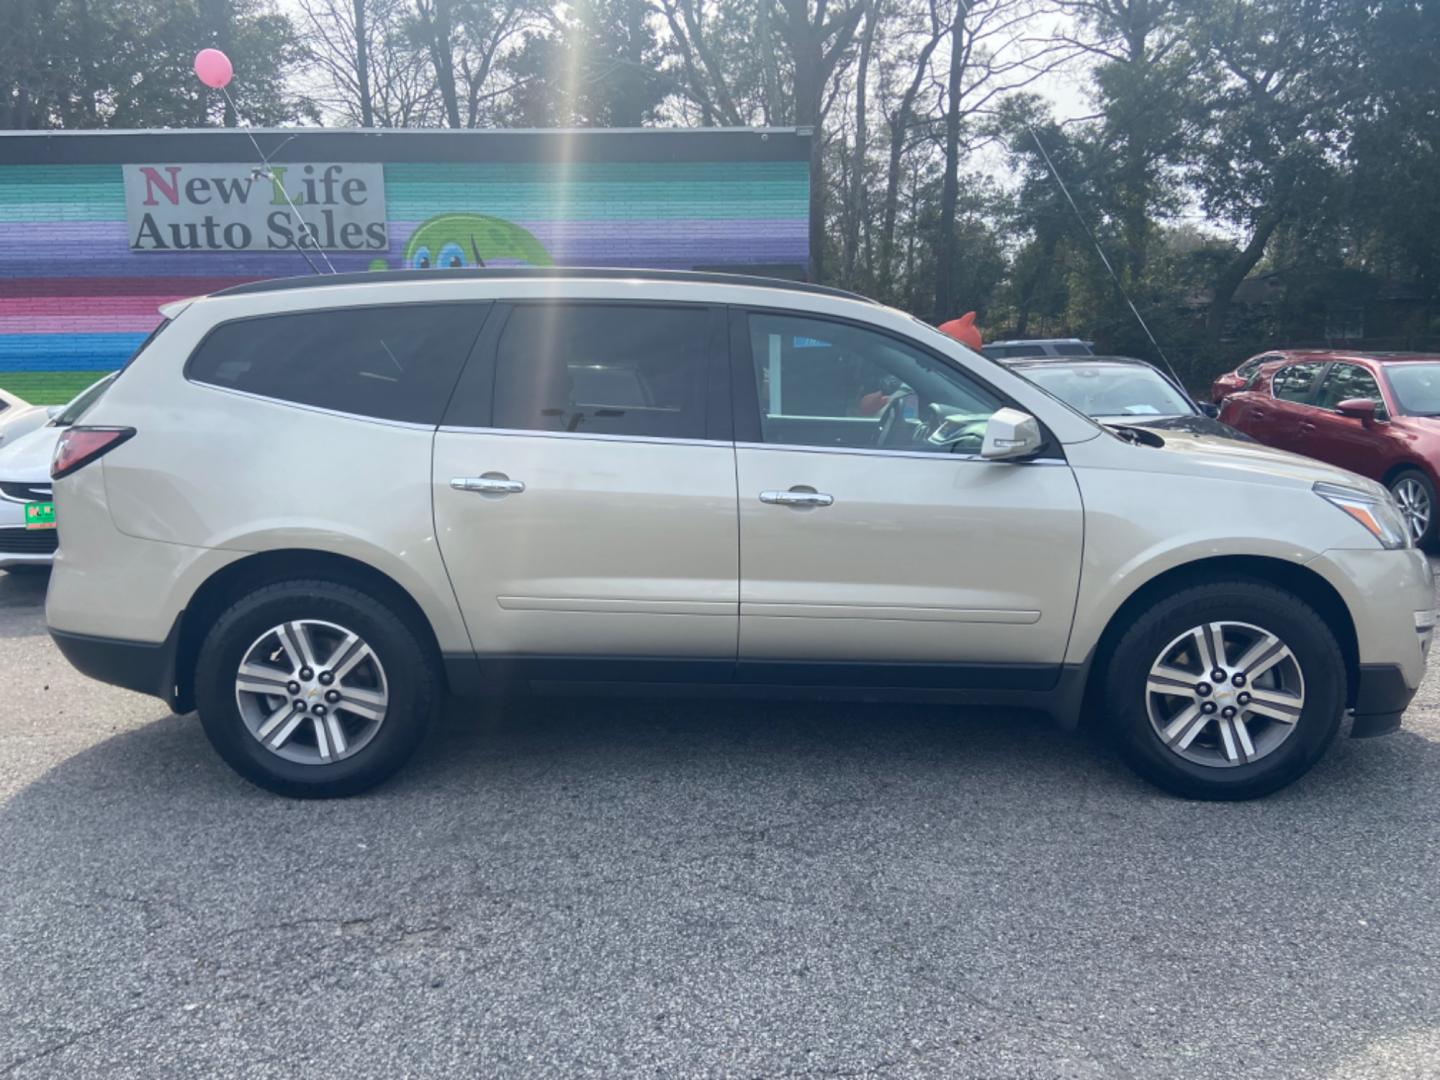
[[40, 515]]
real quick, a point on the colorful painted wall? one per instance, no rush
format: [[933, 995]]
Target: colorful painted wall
[[76, 300]]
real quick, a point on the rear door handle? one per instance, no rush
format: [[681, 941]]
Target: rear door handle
[[489, 484], [797, 496]]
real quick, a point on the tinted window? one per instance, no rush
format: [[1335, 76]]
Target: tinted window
[[1072, 350], [603, 369], [830, 384], [1110, 390], [1296, 382], [392, 363], [1346, 382]]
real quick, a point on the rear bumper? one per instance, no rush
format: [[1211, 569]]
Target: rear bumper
[[143, 666]]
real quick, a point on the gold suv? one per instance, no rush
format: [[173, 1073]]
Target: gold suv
[[309, 508]]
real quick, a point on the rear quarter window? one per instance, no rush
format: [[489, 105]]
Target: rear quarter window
[[394, 362]]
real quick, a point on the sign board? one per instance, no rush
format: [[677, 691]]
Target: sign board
[[207, 207]]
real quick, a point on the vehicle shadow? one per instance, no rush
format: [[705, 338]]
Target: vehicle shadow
[[625, 885], [23, 588]]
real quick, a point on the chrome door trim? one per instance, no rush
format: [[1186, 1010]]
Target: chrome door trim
[[587, 436], [862, 451]]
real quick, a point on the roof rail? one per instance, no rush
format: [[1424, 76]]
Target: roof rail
[[378, 277]]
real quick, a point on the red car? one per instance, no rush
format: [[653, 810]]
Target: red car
[[1234, 381], [1377, 414]]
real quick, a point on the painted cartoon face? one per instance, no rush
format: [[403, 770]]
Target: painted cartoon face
[[454, 240]]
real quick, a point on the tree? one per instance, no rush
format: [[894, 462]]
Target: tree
[[816, 45], [127, 63], [365, 67], [1286, 82], [1145, 80]]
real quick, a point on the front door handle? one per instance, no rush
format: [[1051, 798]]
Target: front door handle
[[489, 484], [797, 496]]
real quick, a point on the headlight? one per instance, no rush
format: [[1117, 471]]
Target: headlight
[[1380, 516]]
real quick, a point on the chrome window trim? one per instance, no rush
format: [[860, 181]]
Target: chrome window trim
[[862, 451], [868, 451], [409, 425], [588, 436]]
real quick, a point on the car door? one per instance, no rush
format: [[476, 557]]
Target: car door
[[584, 484], [1275, 418], [881, 557], [1357, 445]]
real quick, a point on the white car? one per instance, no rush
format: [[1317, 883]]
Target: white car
[[25, 481], [18, 417]]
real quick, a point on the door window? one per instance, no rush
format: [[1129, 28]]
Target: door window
[[1297, 382], [1348, 381], [397, 362], [603, 369], [831, 384]]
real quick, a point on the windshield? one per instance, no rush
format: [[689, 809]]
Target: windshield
[[82, 401], [1416, 388], [1110, 390]]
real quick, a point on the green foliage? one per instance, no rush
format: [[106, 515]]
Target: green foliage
[[127, 63]]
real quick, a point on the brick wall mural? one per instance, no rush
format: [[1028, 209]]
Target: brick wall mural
[[83, 269]]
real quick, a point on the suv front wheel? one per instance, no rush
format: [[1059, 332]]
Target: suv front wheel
[[314, 689], [1229, 690]]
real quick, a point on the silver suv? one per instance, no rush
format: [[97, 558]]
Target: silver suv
[[310, 508]]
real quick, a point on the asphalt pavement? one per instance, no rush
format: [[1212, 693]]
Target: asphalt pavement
[[687, 888]]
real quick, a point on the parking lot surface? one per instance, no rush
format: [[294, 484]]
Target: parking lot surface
[[667, 888]]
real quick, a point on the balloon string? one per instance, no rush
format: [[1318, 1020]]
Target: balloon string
[[268, 174]]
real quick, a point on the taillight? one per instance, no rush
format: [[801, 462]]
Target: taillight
[[78, 446]]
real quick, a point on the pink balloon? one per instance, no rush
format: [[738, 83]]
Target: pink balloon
[[213, 68]]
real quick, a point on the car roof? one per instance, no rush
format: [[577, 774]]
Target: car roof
[[1354, 355], [529, 273]]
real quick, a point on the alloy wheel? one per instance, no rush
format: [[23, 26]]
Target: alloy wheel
[[1414, 502], [1225, 694], [311, 692]]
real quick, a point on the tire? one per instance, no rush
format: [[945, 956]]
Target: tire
[[1200, 759], [391, 674], [1415, 494]]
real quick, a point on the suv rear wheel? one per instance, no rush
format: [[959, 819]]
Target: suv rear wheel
[[314, 689], [1228, 690]]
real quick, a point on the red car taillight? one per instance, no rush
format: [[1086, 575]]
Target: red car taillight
[[79, 446]]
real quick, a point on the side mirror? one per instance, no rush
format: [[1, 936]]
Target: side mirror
[[1357, 408], [1011, 434], [1210, 409]]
